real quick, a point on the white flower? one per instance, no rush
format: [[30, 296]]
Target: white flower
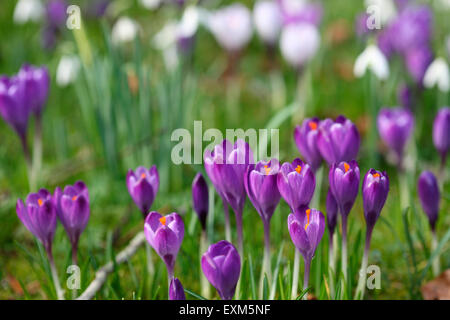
[[188, 25], [437, 74], [67, 70], [386, 9], [125, 30], [373, 59], [28, 10], [299, 43], [268, 20], [150, 4], [231, 26]]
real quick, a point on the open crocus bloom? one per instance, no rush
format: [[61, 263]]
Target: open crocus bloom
[[165, 234], [143, 186], [306, 227], [38, 214], [344, 184]]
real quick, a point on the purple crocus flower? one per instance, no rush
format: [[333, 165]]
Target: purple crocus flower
[[176, 291], [417, 62], [165, 234], [36, 82], [338, 140], [361, 25], [332, 212], [200, 198], [72, 209], [143, 185], [296, 184], [404, 96], [56, 12], [306, 228], [221, 265], [344, 184], [441, 132], [38, 214], [305, 137], [429, 196], [395, 127], [375, 189]]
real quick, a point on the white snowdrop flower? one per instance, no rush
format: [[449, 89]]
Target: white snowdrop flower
[[373, 59], [231, 26], [28, 10], [268, 20], [67, 71], [437, 74], [150, 4], [124, 30], [386, 9], [188, 25], [444, 4], [299, 43]]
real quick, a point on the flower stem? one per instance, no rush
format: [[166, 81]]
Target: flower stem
[[266, 268], [27, 155], [37, 149], [306, 277], [240, 237], [434, 245], [344, 247], [56, 284], [148, 254], [295, 273], [203, 281], [226, 212], [332, 263], [363, 272]]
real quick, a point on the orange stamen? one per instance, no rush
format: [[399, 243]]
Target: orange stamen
[[40, 202], [267, 169], [376, 175], [162, 220], [312, 125], [143, 175], [346, 166], [308, 212], [74, 198], [298, 169]]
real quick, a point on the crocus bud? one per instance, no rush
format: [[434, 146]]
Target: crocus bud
[[429, 196], [221, 265], [13, 108], [72, 209], [56, 13], [395, 127], [231, 26], [417, 62], [305, 137], [268, 20], [38, 214], [338, 140], [404, 96], [306, 227], [36, 82], [261, 186], [143, 186], [344, 184], [375, 189], [176, 291], [332, 212], [441, 131], [200, 198], [299, 43], [296, 183], [165, 234]]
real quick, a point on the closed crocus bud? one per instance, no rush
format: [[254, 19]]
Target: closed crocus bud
[[344, 184], [395, 127], [231, 26], [306, 228], [404, 96], [417, 62], [332, 212], [268, 20], [429, 196], [176, 291], [72, 208], [36, 82], [296, 183], [38, 214], [305, 137], [56, 13], [200, 198], [143, 186], [221, 265], [338, 140], [375, 189], [165, 234], [261, 186], [13, 108], [441, 132], [299, 43]]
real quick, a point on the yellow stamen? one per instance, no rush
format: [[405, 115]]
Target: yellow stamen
[[346, 166], [74, 198], [376, 175], [162, 220], [313, 125], [298, 169], [308, 211], [267, 169], [40, 202]]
